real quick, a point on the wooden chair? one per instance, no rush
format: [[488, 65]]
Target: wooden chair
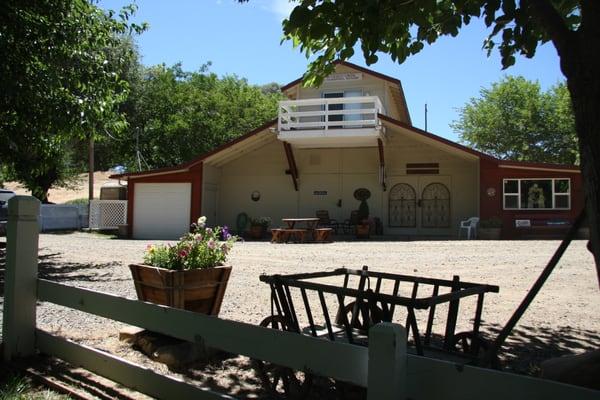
[[325, 221], [350, 224]]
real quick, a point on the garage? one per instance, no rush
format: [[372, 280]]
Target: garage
[[162, 210]]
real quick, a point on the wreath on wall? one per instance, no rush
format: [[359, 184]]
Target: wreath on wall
[[362, 194]]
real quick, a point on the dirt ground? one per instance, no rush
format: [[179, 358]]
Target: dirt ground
[[564, 318], [79, 189]]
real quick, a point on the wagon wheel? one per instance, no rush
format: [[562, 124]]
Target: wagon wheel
[[471, 344], [281, 382], [367, 315]]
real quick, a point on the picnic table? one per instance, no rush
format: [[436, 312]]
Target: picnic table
[[300, 229], [311, 223]]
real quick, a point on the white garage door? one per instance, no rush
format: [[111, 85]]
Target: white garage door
[[161, 210]]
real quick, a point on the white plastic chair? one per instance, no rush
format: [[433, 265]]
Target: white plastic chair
[[469, 224]]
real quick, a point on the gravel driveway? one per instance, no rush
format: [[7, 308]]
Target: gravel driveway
[[564, 318]]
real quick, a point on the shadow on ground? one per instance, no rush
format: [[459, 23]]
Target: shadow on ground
[[53, 268], [527, 347]]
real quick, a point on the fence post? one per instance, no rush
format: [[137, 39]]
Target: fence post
[[20, 283], [387, 362]]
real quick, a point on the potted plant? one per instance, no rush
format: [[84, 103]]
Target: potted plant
[[490, 229], [258, 226], [363, 227], [190, 274]]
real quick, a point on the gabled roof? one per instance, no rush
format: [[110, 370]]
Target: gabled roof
[[481, 155], [437, 138], [350, 65], [184, 167]]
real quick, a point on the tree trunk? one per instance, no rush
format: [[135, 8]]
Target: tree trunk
[[581, 66]]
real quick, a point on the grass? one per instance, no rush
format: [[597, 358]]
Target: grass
[[16, 387], [78, 202]]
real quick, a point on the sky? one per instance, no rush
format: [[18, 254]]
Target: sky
[[244, 39]]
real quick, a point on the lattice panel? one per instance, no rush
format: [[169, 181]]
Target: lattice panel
[[108, 214]]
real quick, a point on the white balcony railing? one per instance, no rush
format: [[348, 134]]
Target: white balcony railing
[[329, 113]]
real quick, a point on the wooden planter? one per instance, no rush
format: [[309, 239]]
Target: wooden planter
[[489, 233], [257, 231], [197, 290], [362, 231]]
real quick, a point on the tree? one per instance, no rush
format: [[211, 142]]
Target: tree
[[176, 115], [401, 28], [56, 82], [515, 120]]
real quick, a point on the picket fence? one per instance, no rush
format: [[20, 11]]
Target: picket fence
[[384, 368]]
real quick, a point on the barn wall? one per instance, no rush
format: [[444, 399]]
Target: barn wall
[[329, 177], [492, 206], [194, 177]]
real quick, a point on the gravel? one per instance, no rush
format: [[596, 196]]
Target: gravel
[[563, 319]]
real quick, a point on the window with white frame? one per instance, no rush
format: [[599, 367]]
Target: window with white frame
[[540, 194]]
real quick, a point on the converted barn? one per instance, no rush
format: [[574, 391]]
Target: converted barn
[[353, 132]]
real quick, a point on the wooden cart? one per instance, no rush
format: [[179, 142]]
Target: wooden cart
[[362, 298]]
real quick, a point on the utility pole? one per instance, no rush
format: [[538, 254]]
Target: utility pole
[[91, 167], [425, 117]]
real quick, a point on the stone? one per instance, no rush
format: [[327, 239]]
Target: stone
[[581, 369]]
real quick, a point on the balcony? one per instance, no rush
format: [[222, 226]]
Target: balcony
[[331, 122]]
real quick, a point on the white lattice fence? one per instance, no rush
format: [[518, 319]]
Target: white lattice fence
[[108, 214]]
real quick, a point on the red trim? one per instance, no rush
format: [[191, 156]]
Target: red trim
[[381, 163], [190, 164], [289, 154], [130, 205], [351, 65], [573, 168]]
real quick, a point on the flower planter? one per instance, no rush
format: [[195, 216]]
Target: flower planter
[[257, 231], [197, 290], [489, 233], [362, 231]]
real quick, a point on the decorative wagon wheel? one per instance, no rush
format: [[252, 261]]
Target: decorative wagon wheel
[[367, 315], [473, 345], [282, 382]]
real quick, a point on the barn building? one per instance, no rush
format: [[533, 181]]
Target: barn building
[[353, 132]]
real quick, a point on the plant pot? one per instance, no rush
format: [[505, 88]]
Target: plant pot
[[489, 233], [362, 231], [257, 231], [197, 290]]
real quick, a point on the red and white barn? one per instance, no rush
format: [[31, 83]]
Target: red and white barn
[[352, 132]]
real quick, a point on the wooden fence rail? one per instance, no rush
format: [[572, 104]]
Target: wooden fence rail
[[384, 367]]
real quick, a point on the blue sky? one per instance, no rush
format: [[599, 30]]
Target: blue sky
[[244, 39]]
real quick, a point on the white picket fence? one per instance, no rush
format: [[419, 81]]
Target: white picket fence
[[107, 214], [384, 368]]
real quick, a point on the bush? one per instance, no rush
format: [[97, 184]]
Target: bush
[[494, 222], [84, 201]]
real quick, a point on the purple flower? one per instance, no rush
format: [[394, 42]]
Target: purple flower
[[225, 233]]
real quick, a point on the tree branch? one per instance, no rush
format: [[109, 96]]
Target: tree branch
[[554, 25]]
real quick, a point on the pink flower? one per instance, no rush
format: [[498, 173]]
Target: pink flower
[[211, 244], [198, 237], [183, 253], [224, 248]]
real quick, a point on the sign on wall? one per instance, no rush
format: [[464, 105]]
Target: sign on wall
[[348, 76], [320, 193]]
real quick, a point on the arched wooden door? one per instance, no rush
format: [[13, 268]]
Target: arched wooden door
[[435, 206], [402, 206]]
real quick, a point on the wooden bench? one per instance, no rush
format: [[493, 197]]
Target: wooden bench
[[323, 234], [277, 235], [543, 228], [298, 234]]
